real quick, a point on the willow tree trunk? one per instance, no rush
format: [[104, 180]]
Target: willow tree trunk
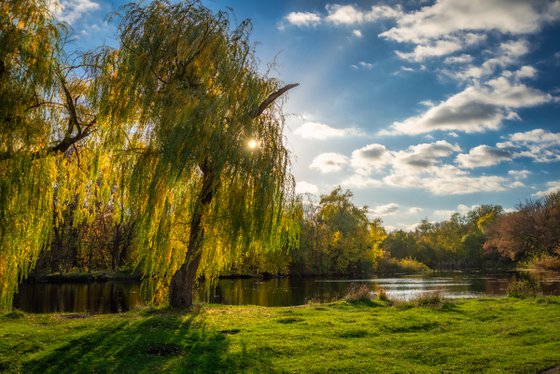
[[181, 287]]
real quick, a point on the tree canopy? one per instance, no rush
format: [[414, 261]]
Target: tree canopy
[[156, 129]]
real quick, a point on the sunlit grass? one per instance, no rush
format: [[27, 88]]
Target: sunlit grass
[[511, 335]]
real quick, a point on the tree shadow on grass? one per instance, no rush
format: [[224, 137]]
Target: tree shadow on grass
[[160, 343]]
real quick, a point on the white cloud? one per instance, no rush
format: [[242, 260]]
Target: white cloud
[[303, 18], [537, 136], [369, 158], [329, 162], [415, 210], [553, 186], [357, 33], [482, 156], [447, 17], [303, 187], [441, 47], [316, 130], [362, 65], [350, 15], [478, 108], [384, 210], [448, 184], [519, 174], [526, 72], [538, 144], [462, 59], [461, 209], [419, 158], [462, 185], [70, 11], [359, 181]]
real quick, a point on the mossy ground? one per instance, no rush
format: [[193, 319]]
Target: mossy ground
[[511, 335]]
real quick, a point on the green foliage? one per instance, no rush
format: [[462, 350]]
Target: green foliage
[[455, 243], [121, 154], [335, 237], [28, 65], [523, 288], [391, 265]]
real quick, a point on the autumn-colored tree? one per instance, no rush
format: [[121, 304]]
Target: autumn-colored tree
[[336, 237], [532, 230]]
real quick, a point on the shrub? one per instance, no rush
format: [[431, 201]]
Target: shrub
[[405, 265], [358, 292], [433, 298], [382, 294], [545, 262], [522, 288]]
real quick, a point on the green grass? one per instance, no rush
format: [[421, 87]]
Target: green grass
[[509, 335]]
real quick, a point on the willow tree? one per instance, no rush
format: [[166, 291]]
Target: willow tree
[[43, 114], [212, 177]]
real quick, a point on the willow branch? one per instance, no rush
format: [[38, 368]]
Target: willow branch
[[271, 98]]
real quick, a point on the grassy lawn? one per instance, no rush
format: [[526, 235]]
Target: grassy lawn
[[510, 335]]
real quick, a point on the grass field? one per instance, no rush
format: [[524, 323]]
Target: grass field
[[509, 335]]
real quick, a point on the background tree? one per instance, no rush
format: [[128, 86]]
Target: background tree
[[336, 237], [533, 230]]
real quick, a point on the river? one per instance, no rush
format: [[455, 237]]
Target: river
[[120, 296]]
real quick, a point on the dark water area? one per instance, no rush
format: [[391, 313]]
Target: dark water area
[[121, 296]]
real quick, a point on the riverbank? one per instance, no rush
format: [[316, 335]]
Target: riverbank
[[513, 335]]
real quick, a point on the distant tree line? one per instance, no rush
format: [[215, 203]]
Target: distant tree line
[[338, 237]]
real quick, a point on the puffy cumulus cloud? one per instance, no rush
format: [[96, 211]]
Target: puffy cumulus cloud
[[420, 157], [350, 15], [303, 187], [384, 210], [303, 19], [552, 186], [526, 72], [316, 130], [482, 156], [538, 144], [329, 162], [538, 136], [477, 108], [446, 17], [369, 158], [357, 33], [69, 11]]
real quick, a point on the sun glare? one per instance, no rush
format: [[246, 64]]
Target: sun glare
[[252, 144]]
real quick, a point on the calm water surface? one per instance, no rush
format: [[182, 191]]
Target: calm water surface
[[116, 297]]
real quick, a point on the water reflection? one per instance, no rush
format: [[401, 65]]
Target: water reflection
[[115, 297], [94, 297]]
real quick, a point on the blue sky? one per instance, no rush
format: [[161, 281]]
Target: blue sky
[[421, 108]]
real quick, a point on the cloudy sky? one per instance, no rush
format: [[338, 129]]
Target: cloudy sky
[[421, 108]]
